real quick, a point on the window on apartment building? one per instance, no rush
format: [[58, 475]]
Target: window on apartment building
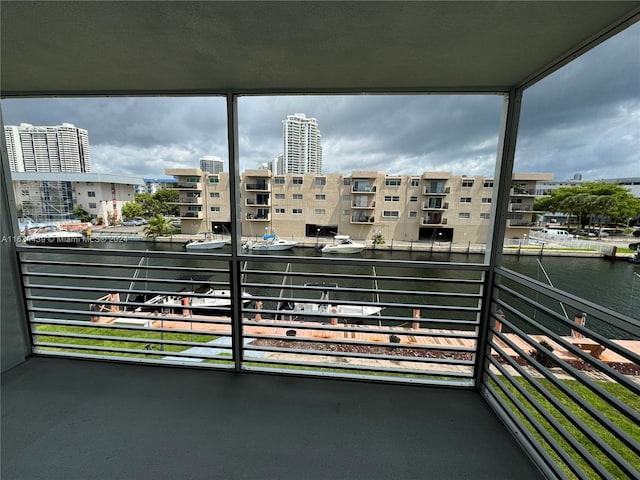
[[486, 199], [413, 199], [415, 182], [321, 196], [192, 180], [297, 211], [413, 215], [89, 184], [391, 198], [215, 209], [280, 196], [194, 209], [297, 180], [320, 181], [485, 216], [279, 181], [93, 205], [280, 211], [91, 194], [393, 182], [464, 215], [297, 196], [346, 212], [214, 179], [346, 181], [319, 211], [25, 192], [467, 183], [390, 213], [465, 199], [214, 194], [488, 184], [346, 198]]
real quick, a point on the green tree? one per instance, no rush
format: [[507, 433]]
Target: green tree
[[132, 209], [592, 202], [157, 227], [150, 206], [378, 239], [81, 214], [167, 200]]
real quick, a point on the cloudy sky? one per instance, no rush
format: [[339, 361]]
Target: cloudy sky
[[584, 119]]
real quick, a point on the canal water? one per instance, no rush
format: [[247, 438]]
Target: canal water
[[613, 284]]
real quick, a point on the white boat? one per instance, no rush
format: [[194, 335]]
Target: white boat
[[206, 244], [212, 301], [301, 309], [270, 243], [53, 235], [344, 244]]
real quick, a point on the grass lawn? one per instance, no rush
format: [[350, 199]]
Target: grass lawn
[[621, 421], [142, 340]]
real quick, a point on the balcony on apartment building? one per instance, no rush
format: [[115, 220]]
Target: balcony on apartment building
[[435, 205], [188, 186], [363, 204], [258, 201], [193, 199], [436, 190], [362, 187], [362, 218], [461, 370], [258, 187]]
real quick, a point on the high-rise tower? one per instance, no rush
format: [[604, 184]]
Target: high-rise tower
[[302, 149], [62, 148], [211, 164]]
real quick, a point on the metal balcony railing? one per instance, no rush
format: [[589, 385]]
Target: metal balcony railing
[[362, 219], [303, 317], [363, 189], [262, 187], [560, 370], [567, 386]]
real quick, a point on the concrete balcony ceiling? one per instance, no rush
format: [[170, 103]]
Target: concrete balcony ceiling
[[165, 47]]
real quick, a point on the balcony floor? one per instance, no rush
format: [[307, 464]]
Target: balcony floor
[[70, 419]]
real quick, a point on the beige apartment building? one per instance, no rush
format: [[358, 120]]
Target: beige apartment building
[[435, 206]]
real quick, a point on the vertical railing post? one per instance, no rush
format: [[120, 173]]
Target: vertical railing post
[[235, 266], [499, 209]]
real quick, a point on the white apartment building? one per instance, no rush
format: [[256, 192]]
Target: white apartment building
[[434, 206], [302, 150], [51, 197], [211, 164], [61, 148]]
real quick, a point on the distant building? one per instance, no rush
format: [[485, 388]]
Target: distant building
[[61, 148], [152, 185], [211, 164], [433, 206], [277, 165], [51, 197], [302, 151]]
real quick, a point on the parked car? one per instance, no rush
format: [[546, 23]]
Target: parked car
[[131, 223], [636, 233], [143, 221]]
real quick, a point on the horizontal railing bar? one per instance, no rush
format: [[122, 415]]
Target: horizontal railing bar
[[33, 249], [600, 365], [363, 276], [568, 460], [365, 343], [221, 363], [108, 326], [160, 341], [338, 366], [73, 346], [577, 399], [110, 266], [379, 318], [128, 315], [372, 356], [603, 394], [115, 278], [431, 382], [568, 323], [346, 328], [380, 291], [618, 320], [67, 288]]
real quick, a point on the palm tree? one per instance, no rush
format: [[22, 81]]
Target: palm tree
[[157, 226]]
